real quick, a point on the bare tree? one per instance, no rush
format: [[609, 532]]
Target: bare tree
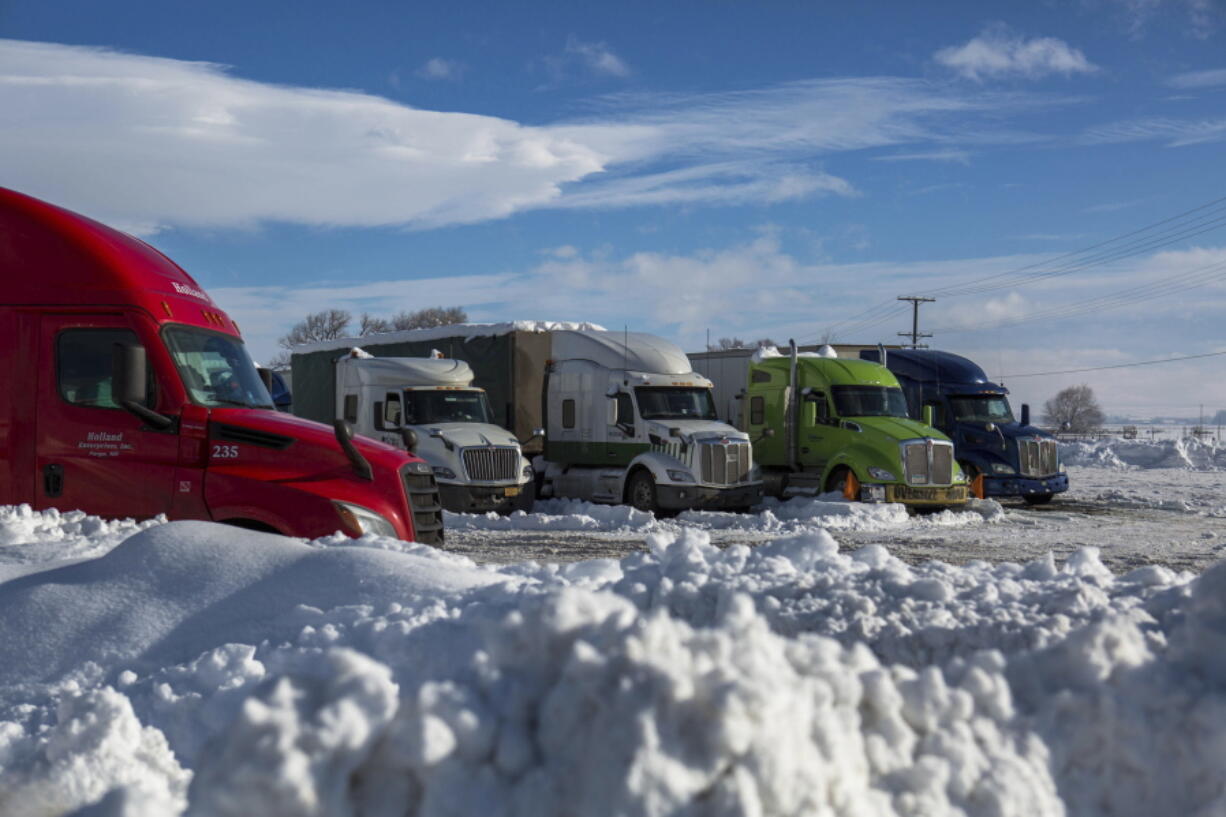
[[726, 343], [1074, 409], [326, 325], [371, 325], [429, 317], [762, 343]]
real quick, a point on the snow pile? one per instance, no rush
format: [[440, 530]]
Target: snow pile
[[797, 515], [1186, 452], [243, 673], [28, 536]]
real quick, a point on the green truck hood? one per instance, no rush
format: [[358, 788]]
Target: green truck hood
[[897, 428]]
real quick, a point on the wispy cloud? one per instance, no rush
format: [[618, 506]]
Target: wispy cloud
[[154, 143], [597, 58], [1203, 16], [757, 289], [961, 157], [1174, 132], [1199, 79], [437, 68], [998, 52]]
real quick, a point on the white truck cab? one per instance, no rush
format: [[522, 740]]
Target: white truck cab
[[430, 406], [628, 420]]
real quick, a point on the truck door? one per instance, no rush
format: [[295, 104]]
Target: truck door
[[90, 454]]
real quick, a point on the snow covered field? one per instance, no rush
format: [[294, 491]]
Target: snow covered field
[[855, 661]]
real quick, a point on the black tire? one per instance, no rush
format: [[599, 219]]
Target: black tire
[[1037, 499], [641, 492]]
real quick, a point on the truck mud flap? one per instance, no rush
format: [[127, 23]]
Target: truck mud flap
[[427, 508]]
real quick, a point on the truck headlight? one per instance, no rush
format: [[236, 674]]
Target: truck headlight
[[419, 467], [881, 474], [443, 472], [1003, 468], [363, 520], [528, 472], [680, 476]]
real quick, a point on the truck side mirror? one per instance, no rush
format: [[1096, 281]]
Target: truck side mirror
[[929, 415], [612, 418], [409, 437], [129, 384], [1025, 414]]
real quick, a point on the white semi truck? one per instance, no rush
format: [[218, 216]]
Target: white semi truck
[[430, 406], [627, 420]]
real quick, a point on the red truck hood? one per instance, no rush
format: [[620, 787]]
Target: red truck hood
[[315, 443]]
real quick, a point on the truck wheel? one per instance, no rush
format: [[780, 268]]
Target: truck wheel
[[838, 480], [1037, 499], [969, 471], [642, 492]]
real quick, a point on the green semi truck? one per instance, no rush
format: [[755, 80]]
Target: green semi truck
[[823, 423]]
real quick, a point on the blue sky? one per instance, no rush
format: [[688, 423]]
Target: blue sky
[[752, 169]]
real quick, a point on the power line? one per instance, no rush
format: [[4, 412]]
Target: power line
[[915, 333], [1096, 255], [1116, 366]]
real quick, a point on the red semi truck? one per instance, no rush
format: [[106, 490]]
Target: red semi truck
[[129, 393]]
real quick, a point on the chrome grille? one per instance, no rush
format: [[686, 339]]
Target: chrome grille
[[1036, 457], [928, 462], [424, 505], [489, 464], [724, 464]]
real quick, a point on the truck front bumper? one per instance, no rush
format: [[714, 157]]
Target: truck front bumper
[[926, 496], [486, 498], [1025, 486], [701, 497]]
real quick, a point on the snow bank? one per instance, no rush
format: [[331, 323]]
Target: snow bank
[[797, 515], [226, 672], [29, 537], [1186, 452]]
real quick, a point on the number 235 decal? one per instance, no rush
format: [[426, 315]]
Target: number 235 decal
[[225, 452]]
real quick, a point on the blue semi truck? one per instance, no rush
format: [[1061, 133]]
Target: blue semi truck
[[1000, 455]]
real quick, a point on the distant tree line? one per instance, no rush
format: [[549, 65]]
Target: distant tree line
[[330, 324], [736, 343]]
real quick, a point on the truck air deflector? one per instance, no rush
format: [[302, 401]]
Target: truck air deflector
[[264, 439]]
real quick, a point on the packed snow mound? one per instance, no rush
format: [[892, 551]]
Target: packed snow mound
[[242, 673], [31, 537], [797, 515], [1186, 452]]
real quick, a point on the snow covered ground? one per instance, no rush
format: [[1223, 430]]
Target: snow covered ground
[[833, 668]]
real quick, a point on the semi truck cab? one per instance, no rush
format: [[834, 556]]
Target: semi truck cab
[[131, 394], [1002, 455], [821, 423], [479, 466], [628, 420]]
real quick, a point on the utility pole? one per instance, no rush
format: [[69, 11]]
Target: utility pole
[[915, 333]]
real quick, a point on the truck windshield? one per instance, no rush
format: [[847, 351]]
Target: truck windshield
[[675, 403], [869, 401], [982, 408], [422, 407], [216, 369]]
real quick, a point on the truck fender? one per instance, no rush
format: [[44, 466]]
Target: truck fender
[[655, 462], [844, 459]]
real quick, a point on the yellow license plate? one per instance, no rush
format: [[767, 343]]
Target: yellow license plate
[[513, 490]]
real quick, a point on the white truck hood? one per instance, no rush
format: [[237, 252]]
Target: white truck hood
[[698, 430]]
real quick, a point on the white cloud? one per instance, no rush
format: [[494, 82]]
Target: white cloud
[[439, 68], [998, 52], [1199, 79], [1203, 15], [597, 58], [961, 157], [1174, 132], [145, 143]]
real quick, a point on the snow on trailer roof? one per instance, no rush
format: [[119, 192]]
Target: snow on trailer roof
[[455, 330], [631, 351], [396, 372]]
